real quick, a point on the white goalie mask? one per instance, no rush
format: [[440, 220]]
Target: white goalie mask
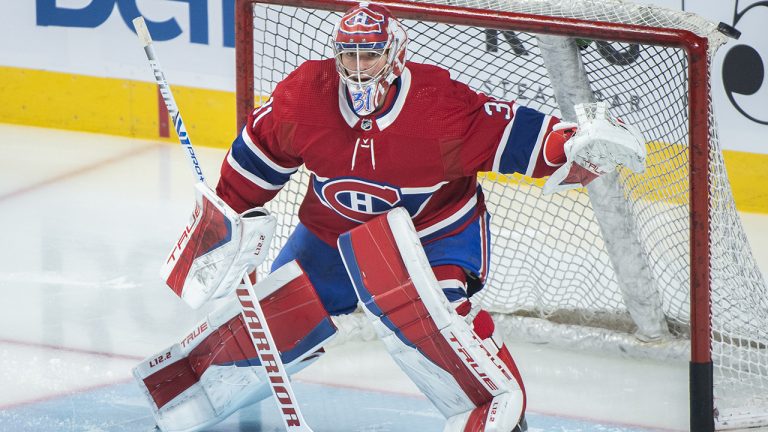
[[369, 46]]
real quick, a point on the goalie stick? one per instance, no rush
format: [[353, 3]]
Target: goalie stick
[[252, 313]]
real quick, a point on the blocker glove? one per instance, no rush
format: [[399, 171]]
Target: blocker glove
[[216, 249]]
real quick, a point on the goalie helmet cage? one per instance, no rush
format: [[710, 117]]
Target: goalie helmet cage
[[652, 265]]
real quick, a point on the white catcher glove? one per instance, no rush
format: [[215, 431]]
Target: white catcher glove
[[601, 143], [217, 248]]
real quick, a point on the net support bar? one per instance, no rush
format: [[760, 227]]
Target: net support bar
[[244, 61], [702, 398]]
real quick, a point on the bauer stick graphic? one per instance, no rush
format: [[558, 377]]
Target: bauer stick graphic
[[252, 313]]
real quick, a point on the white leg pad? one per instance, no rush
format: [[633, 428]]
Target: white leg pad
[[427, 338], [493, 417], [215, 370]]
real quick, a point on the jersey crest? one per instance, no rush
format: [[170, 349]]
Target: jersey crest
[[360, 200], [357, 200], [364, 21]]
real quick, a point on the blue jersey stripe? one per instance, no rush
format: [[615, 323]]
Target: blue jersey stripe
[[526, 126], [252, 163], [450, 228]]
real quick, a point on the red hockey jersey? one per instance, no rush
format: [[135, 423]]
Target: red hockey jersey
[[421, 152]]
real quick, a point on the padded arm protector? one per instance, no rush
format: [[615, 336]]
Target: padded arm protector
[[216, 249]]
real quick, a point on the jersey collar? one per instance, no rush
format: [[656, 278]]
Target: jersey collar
[[386, 117]]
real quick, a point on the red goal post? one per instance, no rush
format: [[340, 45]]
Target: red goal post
[[698, 48]]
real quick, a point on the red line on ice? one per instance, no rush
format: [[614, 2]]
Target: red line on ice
[[79, 171], [72, 350], [68, 392]]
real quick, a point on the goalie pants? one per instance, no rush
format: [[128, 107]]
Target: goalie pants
[[467, 249]]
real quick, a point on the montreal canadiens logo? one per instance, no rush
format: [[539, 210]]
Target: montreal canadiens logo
[[364, 21], [359, 200]]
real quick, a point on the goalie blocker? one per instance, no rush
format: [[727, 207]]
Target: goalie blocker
[[471, 379], [216, 249]]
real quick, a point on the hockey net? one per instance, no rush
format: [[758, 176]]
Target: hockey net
[[608, 268]]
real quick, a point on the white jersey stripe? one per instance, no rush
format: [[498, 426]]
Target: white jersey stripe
[[261, 116], [263, 157], [466, 208], [387, 119], [422, 190], [259, 108], [258, 181], [423, 205], [349, 116], [452, 283], [484, 251]]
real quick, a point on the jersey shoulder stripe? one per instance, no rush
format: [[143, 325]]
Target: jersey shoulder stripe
[[255, 165], [520, 140], [249, 142], [256, 179]]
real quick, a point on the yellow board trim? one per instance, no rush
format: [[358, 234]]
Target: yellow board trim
[[748, 173], [130, 108], [111, 106]]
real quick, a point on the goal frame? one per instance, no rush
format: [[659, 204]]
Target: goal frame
[[696, 48]]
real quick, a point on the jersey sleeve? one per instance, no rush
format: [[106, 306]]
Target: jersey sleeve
[[259, 162], [507, 137]]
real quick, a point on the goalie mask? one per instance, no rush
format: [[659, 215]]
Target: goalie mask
[[369, 47]]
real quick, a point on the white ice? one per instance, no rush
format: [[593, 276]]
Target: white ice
[[86, 221]]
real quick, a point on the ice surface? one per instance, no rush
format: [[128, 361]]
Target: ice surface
[[85, 222]]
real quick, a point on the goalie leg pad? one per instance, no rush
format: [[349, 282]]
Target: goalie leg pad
[[488, 417], [422, 331], [215, 370]]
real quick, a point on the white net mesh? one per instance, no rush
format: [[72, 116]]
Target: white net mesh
[[556, 270], [610, 11]]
